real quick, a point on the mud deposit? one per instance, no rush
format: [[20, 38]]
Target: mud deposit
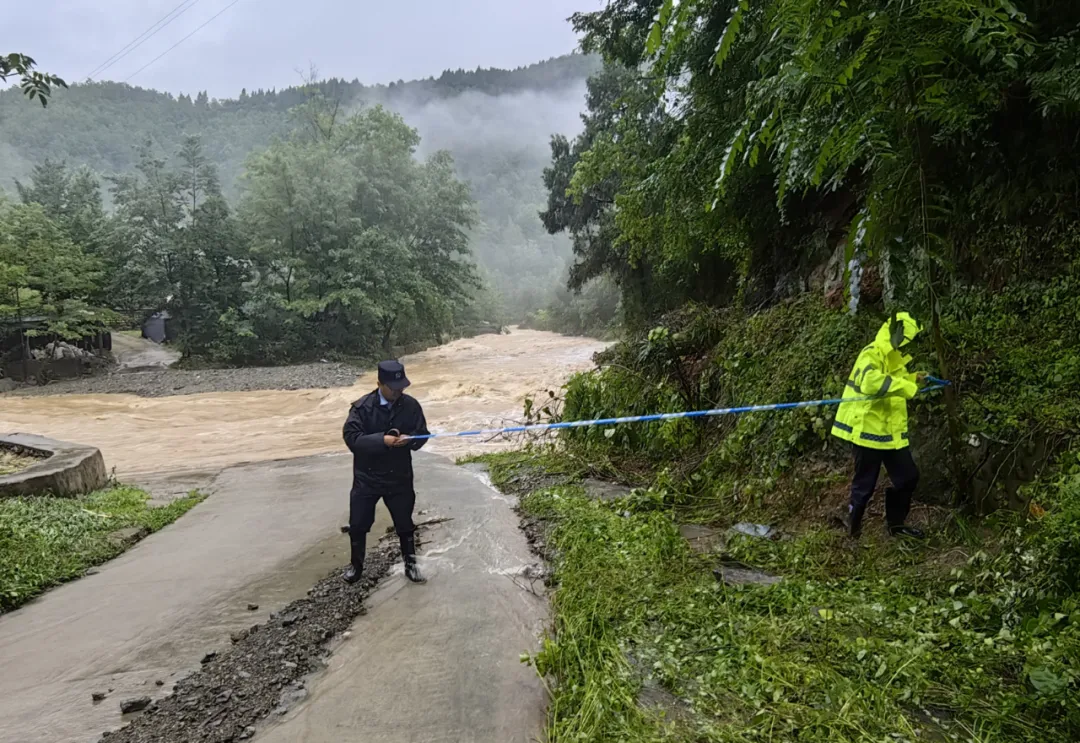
[[264, 673], [170, 382]]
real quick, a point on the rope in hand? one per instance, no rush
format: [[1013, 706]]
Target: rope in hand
[[935, 385]]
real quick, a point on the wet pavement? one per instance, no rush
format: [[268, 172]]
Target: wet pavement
[[437, 662], [267, 533]]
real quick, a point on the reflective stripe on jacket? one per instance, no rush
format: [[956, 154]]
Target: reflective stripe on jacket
[[880, 372]]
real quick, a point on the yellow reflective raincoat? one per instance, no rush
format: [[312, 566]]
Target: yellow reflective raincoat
[[880, 372]]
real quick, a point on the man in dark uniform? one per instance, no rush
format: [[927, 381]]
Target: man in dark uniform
[[378, 433]]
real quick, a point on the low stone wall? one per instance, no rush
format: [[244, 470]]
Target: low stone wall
[[66, 470]]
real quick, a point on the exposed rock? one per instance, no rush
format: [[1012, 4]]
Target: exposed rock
[[761, 531], [604, 491], [653, 697], [253, 607], [134, 705], [702, 539], [738, 574], [98, 696], [657, 699]]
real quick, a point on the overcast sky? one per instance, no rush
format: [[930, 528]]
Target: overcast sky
[[262, 43]]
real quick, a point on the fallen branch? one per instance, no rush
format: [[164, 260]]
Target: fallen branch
[[392, 533]]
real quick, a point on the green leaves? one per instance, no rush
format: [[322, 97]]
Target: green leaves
[[34, 84], [1046, 682], [731, 32], [656, 33], [362, 241]]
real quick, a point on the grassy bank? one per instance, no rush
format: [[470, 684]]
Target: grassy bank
[[972, 636], [967, 637], [47, 541]]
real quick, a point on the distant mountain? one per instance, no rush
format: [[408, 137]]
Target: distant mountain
[[496, 123]]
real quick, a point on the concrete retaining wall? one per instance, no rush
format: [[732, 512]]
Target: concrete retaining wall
[[68, 469]]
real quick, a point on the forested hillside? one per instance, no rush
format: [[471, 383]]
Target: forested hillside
[[495, 123], [768, 183]]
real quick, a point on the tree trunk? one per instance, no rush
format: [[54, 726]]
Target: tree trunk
[[388, 329], [952, 414]]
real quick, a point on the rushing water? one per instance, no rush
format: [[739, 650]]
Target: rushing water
[[466, 384]]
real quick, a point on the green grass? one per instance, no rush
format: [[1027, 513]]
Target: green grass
[[46, 541], [886, 642]]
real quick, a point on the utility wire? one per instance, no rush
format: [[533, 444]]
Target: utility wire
[[143, 37], [199, 28]]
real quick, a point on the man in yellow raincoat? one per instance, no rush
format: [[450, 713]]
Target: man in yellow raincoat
[[878, 427]]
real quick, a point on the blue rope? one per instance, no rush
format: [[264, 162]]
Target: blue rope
[[935, 385]]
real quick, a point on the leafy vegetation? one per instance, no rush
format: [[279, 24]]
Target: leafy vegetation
[[34, 83], [891, 642], [765, 183], [493, 122], [855, 152], [343, 243], [46, 541], [44, 272], [593, 310]]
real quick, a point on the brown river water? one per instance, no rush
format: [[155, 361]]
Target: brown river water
[[467, 384]]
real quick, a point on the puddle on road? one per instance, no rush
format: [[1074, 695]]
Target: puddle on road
[[470, 383]]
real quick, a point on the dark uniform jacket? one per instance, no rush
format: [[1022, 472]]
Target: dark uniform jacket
[[377, 468]]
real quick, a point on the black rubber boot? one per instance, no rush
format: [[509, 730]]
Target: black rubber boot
[[355, 572], [408, 554], [855, 520], [907, 531]]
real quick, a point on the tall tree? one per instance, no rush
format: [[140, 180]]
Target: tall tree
[[44, 273], [353, 239]]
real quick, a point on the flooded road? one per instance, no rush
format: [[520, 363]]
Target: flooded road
[[439, 661], [466, 384]]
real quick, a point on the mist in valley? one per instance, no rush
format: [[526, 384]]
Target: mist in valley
[[500, 145]]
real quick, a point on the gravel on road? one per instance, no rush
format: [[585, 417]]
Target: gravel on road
[[168, 382], [264, 674]]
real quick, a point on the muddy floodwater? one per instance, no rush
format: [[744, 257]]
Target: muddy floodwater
[[467, 384]]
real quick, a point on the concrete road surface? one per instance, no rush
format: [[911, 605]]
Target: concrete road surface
[[444, 655], [439, 663]]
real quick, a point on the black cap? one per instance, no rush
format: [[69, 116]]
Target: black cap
[[392, 374]]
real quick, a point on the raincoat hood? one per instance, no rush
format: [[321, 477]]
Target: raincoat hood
[[897, 332], [874, 412]]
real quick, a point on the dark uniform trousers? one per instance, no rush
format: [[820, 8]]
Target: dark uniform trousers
[[382, 473], [362, 511], [903, 473]]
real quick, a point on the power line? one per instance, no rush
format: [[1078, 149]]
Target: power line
[[199, 28], [143, 37]]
